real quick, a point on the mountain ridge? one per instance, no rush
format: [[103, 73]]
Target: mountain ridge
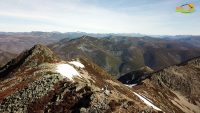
[[45, 83], [36, 88], [120, 55], [186, 73]]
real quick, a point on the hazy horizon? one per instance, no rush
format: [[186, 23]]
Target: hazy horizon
[[149, 17]]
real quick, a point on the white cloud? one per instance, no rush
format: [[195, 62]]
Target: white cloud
[[75, 15]]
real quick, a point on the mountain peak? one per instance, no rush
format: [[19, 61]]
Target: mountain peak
[[31, 58], [43, 54], [87, 38], [39, 46]]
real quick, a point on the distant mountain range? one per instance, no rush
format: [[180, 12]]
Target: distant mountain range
[[77, 34], [60, 35], [116, 54]]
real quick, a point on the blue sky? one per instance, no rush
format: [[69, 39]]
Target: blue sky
[[154, 17]]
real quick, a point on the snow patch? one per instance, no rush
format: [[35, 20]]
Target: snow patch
[[147, 102], [130, 85], [77, 64], [67, 71]]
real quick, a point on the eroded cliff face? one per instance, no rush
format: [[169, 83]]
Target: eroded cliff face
[[39, 81]]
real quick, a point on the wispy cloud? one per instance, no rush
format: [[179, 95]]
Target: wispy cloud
[[142, 16]]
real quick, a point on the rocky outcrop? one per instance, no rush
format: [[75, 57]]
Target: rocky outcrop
[[182, 79], [178, 85]]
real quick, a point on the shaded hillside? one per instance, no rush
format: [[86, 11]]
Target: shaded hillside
[[183, 78], [5, 57], [93, 49], [193, 40], [120, 55], [39, 81], [180, 83], [135, 77]]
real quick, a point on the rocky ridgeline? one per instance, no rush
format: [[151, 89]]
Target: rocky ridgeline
[[38, 81], [182, 78], [19, 101], [31, 83]]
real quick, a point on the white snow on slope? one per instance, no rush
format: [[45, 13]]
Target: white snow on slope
[[130, 85], [77, 64], [147, 102], [67, 71]]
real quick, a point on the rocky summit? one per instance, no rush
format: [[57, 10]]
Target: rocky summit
[[39, 81]]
